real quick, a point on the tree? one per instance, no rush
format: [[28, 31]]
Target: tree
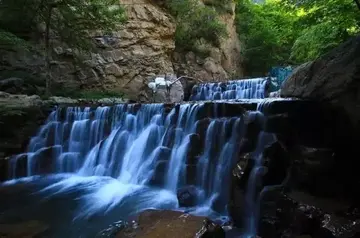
[[278, 32], [195, 24], [327, 23], [70, 22], [267, 32]]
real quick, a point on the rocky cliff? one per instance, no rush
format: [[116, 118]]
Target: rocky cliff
[[140, 49], [223, 62]]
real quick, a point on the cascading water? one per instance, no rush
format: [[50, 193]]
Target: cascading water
[[252, 198], [126, 145], [138, 157], [238, 89], [254, 190]]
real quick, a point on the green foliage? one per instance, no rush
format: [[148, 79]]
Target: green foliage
[[280, 32], [196, 24], [326, 24], [9, 41], [315, 41], [267, 32], [222, 6], [70, 21]]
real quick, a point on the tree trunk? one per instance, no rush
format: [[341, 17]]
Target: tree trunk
[[48, 53]]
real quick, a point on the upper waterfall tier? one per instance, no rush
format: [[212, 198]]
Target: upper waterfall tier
[[256, 88]]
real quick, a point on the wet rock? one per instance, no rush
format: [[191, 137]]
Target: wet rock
[[254, 124], [28, 229], [164, 153], [289, 218], [159, 173], [41, 162], [194, 149], [333, 77], [210, 230], [236, 202], [338, 226], [191, 171], [17, 165], [187, 196], [323, 233], [316, 171], [17, 124], [114, 228], [277, 161], [153, 223], [278, 123], [238, 183], [201, 127], [4, 168]]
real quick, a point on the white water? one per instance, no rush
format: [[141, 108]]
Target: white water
[[115, 154], [237, 89]]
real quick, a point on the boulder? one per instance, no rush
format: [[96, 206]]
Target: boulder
[[187, 196], [334, 78], [26, 229], [153, 223]]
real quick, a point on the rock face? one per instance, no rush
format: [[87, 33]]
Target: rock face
[[154, 223], [23, 230], [126, 61], [221, 64], [334, 77], [143, 49], [137, 51]]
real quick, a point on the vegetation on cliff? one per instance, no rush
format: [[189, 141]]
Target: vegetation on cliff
[[222, 6], [68, 22], [281, 32], [197, 26]]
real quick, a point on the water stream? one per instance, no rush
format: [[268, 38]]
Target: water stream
[[124, 159]]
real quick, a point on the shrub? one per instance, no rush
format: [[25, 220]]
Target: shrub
[[222, 6], [195, 23]]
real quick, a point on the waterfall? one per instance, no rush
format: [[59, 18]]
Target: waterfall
[[139, 147], [238, 89], [139, 157], [253, 189]]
